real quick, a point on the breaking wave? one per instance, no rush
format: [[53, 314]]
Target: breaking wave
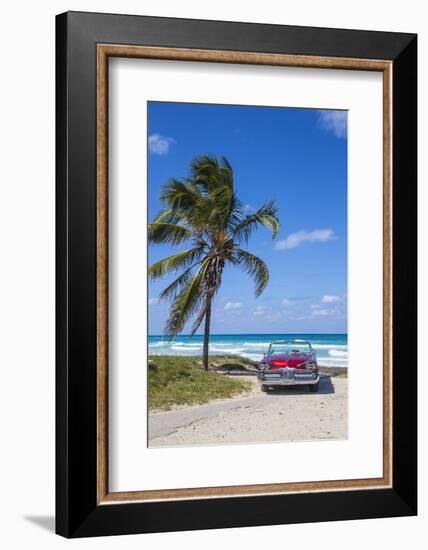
[[338, 353], [186, 348], [332, 350]]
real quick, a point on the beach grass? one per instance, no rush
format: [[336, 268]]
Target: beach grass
[[180, 380], [335, 372]]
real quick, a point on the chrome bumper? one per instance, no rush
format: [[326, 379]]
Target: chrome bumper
[[288, 377]]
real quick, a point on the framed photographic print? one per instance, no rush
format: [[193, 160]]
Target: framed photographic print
[[236, 274]]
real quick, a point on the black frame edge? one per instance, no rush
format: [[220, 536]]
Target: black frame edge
[[77, 514], [61, 446], [190, 515], [404, 173]]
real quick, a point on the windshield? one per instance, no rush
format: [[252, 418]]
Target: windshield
[[289, 348]]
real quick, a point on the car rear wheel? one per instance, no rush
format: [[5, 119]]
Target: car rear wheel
[[265, 388], [314, 387]]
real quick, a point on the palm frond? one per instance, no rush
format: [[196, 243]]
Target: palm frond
[[255, 267], [213, 274], [177, 217], [236, 213], [180, 195], [204, 172], [200, 317], [182, 260], [171, 290], [265, 216], [208, 172], [226, 172], [168, 233], [203, 214], [185, 304]]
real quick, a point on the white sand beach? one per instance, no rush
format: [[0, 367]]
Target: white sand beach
[[289, 414]]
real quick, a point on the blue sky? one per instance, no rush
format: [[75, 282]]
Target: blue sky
[[297, 157]]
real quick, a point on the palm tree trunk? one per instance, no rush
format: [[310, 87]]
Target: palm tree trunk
[[206, 335]]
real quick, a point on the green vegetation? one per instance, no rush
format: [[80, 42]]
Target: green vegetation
[[335, 372], [174, 380], [204, 211], [343, 374]]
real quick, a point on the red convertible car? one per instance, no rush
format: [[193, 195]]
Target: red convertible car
[[289, 363]]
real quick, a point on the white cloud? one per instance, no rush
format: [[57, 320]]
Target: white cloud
[[329, 299], [315, 306], [153, 301], [334, 121], [267, 313], [232, 306], [295, 239], [286, 302], [322, 312], [159, 145]]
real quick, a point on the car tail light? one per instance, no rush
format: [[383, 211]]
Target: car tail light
[[278, 364]]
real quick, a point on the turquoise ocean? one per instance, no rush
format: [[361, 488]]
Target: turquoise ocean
[[332, 349]]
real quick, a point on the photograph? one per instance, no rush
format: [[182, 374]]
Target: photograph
[[248, 274]]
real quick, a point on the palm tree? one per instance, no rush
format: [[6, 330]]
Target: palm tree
[[204, 211]]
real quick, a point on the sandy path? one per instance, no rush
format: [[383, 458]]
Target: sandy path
[[289, 414]]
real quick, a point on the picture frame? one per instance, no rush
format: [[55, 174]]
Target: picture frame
[[84, 44]]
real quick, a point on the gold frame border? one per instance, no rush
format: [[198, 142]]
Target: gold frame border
[[104, 51]]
